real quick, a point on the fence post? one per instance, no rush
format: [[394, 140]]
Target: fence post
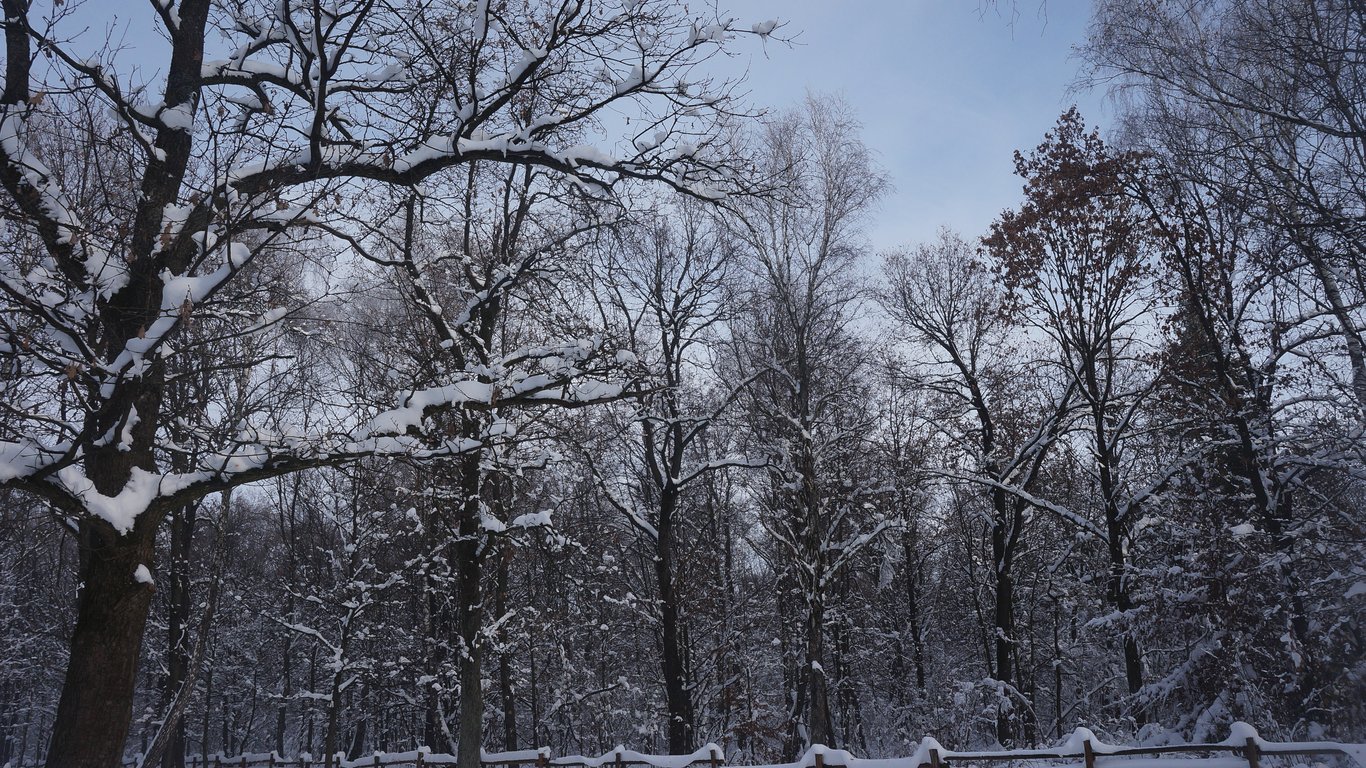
[[934, 758], [543, 758], [418, 763], [1252, 753], [820, 760], [716, 759], [1090, 754], [619, 763]]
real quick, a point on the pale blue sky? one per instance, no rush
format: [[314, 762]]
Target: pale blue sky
[[946, 90]]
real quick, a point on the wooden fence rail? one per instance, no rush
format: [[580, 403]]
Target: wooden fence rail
[[1243, 750]]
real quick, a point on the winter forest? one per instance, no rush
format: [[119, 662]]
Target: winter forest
[[496, 375]]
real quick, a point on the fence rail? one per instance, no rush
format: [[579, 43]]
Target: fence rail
[[1244, 749]]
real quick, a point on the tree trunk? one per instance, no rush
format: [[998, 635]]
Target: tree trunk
[[469, 557], [677, 699], [96, 705], [913, 616], [818, 707], [1003, 621], [177, 626], [505, 689], [286, 691]]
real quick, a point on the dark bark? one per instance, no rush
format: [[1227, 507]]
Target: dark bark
[[177, 626], [468, 553], [94, 712], [913, 613], [358, 737], [506, 693], [96, 705], [16, 52], [677, 699], [1003, 618]]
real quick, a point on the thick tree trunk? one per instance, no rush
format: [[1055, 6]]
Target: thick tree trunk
[[818, 708], [96, 704], [1120, 598]]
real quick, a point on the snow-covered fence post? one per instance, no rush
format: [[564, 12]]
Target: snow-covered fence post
[[543, 758], [1090, 754], [820, 759], [934, 758], [1252, 753], [716, 758], [420, 755], [619, 761]]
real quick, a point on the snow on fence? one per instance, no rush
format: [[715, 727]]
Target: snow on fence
[[1242, 749]]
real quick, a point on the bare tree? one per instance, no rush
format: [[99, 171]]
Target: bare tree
[[669, 287], [306, 112], [947, 297], [798, 342]]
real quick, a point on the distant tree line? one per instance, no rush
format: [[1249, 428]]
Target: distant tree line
[[352, 402]]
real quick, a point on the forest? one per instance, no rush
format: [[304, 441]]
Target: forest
[[495, 375]]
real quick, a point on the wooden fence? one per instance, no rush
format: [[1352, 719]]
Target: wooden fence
[[1237, 752]]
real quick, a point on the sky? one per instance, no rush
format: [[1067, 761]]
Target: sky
[[947, 90]]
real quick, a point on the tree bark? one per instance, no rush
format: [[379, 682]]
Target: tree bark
[[1003, 615], [469, 553], [96, 705], [177, 627], [505, 688], [677, 699]]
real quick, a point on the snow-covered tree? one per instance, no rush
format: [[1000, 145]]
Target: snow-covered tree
[[272, 123]]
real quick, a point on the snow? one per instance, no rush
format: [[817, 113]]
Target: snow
[[122, 510], [179, 117], [533, 520], [50, 196], [631, 81], [582, 153], [410, 415], [220, 67], [142, 575], [1072, 747], [19, 459]]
